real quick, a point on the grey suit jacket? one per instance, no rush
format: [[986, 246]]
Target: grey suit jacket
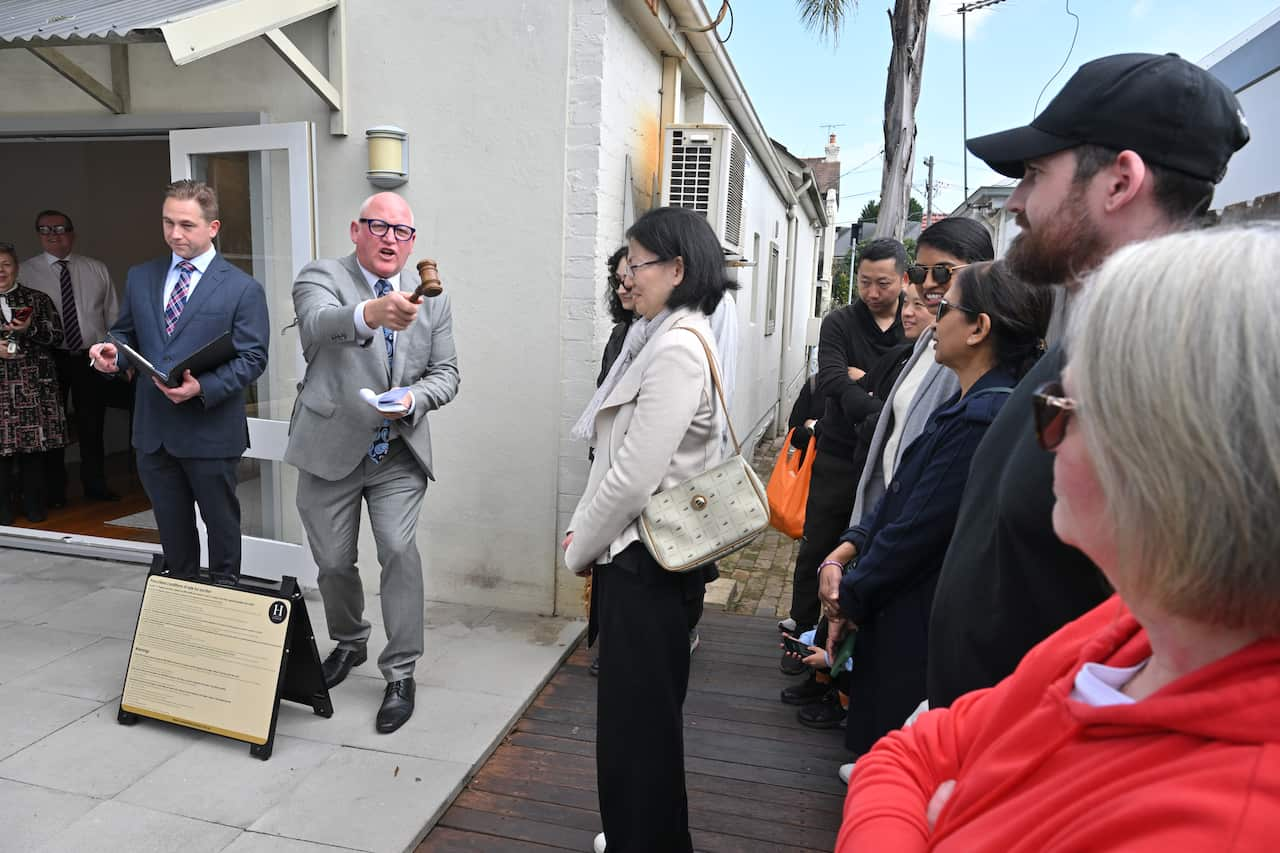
[[938, 385], [332, 427]]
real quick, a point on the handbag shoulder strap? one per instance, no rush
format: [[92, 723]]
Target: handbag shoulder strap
[[715, 380]]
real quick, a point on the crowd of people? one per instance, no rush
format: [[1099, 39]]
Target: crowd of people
[[53, 305], [1035, 587]]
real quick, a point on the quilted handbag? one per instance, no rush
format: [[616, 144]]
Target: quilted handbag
[[708, 516]]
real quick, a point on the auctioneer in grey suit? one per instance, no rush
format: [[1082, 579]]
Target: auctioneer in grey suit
[[329, 440]]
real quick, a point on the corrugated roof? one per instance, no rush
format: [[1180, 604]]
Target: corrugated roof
[[37, 20]]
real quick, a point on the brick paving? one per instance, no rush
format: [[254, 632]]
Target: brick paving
[[763, 569]]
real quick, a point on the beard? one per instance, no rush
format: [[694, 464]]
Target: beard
[[1060, 250]]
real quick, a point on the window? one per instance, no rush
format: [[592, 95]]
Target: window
[[755, 279], [771, 297]]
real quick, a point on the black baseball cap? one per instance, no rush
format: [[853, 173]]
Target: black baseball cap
[[1171, 112]]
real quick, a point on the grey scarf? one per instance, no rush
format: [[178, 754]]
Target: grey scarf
[[637, 336]]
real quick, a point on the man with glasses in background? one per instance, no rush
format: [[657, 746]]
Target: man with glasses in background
[[361, 328], [85, 298]]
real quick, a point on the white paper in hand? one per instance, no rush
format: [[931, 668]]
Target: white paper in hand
[[388, 402]]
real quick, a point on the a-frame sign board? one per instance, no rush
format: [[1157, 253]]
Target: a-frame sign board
[[219, 657]]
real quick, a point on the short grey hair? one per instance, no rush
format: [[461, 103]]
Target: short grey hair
[[1174, 363]]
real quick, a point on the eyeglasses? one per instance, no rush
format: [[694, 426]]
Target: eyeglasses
[[1051, 409], [916, 274], [46, 230], [632, 268], [379, 228], [944, 306]]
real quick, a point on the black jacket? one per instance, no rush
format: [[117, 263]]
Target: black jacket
[[1007, 581], [849, 338]]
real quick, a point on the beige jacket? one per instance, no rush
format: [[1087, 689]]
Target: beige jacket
[[660, 426]]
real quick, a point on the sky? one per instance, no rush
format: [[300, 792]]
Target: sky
[[798, 82]]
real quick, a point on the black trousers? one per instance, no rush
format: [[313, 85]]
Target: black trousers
[[826, 516], [176, 486], [26, 469], [642, 615], [88, 390]]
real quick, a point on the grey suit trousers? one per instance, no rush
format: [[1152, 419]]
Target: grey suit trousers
[[330, 510]]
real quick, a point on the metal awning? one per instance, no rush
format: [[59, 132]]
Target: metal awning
[[191, 29]]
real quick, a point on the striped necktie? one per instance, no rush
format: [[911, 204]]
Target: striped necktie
[[71, 338], [382, 438], [178, 298]]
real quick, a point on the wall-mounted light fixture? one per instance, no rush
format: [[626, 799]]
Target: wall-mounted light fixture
[[388, 155]]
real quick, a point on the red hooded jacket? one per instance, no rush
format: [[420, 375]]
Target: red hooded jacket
[[1195, 766]]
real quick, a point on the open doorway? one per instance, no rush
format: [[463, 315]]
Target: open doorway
[[111, 188]]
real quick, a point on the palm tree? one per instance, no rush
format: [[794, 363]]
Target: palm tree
[[907, 22]]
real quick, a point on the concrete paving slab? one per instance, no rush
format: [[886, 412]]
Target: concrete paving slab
[[110, 612], [254, 842], [366, 800], [114, 825], [332, 784], [27, 648], [447, 723], [93, 672], [31, 816], [28, 715], [25, 598], [215, 779], [510, 655], [96, 755]]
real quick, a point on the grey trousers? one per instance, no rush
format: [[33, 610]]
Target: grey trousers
[[330, 510]]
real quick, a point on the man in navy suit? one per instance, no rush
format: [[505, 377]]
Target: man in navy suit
[[190, 438]]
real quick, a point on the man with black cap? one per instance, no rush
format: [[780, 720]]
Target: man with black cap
[[1131, 148]]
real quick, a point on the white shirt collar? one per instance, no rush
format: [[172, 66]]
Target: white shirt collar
[[53, 260], [372, 280], [200, 262]]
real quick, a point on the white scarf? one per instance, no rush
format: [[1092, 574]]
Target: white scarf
[[637, 336]]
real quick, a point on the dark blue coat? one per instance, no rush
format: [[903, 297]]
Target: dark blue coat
[[889, 591], [212, 425]]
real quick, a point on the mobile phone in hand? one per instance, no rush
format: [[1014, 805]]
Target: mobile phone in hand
[[794, 646]]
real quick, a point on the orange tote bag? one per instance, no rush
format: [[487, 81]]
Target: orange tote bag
[[788, 489]]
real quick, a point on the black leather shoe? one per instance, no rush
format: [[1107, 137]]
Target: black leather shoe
[[594, 669], [827, 714], [806, 692], [103, 494], [397, 706], [339, 663], [225, 580]]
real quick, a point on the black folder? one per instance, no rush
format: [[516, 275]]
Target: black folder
[[217, 352]]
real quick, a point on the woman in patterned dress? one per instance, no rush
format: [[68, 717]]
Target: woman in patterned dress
[[31, 419]]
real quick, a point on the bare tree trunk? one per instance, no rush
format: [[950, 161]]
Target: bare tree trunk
[[908, 22]]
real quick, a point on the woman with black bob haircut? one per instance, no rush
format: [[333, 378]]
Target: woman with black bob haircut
[[655, 422], [989, 332]]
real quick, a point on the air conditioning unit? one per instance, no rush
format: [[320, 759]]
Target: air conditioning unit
[[705, 168]]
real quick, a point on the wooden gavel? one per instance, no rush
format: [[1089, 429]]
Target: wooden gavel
[[430, 281]]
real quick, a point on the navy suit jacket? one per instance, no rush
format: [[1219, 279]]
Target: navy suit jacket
[[212, 425]]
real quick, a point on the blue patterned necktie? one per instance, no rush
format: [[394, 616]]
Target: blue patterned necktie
[[382, 438], [178, 298]]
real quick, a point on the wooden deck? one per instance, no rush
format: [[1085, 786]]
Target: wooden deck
[[757, 779]]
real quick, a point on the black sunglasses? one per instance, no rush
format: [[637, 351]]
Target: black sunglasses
[[1051, 408], [916, 274], [944, 306]]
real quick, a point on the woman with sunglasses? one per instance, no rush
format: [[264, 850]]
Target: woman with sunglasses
[[31, 419], [1152, 722], [989, 332], [656, 422], [944, 248]]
